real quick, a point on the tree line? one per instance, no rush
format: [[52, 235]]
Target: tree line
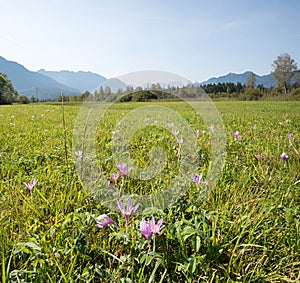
[[284, 70]]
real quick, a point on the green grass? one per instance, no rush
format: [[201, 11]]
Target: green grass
[[246, 230]]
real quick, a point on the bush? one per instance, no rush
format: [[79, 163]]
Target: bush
[[295, 93], [23, 99], [251, 94]]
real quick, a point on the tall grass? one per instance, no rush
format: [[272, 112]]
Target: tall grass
[[246, 230]]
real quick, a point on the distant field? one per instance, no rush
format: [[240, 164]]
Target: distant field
[[246, 230]]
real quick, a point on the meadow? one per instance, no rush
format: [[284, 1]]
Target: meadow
[[246, 230]]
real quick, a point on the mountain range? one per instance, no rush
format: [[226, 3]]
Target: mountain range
[[50, 84], [83, 81], [265, 80], [30, 83]]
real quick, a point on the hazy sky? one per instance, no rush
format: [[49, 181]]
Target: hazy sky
[[195, 39]]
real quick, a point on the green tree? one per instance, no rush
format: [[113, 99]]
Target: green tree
[[107, 91], [129, 89], [7, 92], [85, 95], [33, 99], [251, 81], [23, 99], [283, 66]]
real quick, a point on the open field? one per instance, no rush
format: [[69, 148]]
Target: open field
[[246, 230]]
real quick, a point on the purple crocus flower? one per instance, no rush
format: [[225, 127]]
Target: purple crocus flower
[[254, 127], [145, 229], [30, 185], [103, 220], [123, 169], [114, 177], [170, 125], [116, 132], [289, 135], [129, 210], [287, 121], [197, 134], [180, 141], [175, 133], [196, 179], [79, 154], [284, 156], [258, 156], [155, 228], [236, 135]]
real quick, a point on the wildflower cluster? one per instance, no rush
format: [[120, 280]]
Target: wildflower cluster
[[237, 136], [146, 228], [283, 156]]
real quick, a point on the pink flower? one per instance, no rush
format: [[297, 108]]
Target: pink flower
[[103, 220], [30, 185], [79, 154], [236, 136], [123, 169], [155, 228], [287, 121], [175, 133], [127, 212], [180, 141], [289, 135], [239, 138], [284, 156], [258, 156], [114, 177], [145, 229], [115, 132], [197, 134], [196, 179], [254, 127]]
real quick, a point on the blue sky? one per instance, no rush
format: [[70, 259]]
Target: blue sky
[[195, 39]]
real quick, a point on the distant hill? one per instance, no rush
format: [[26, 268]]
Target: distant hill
[[32, 83], [84, 81], [265, 80]]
